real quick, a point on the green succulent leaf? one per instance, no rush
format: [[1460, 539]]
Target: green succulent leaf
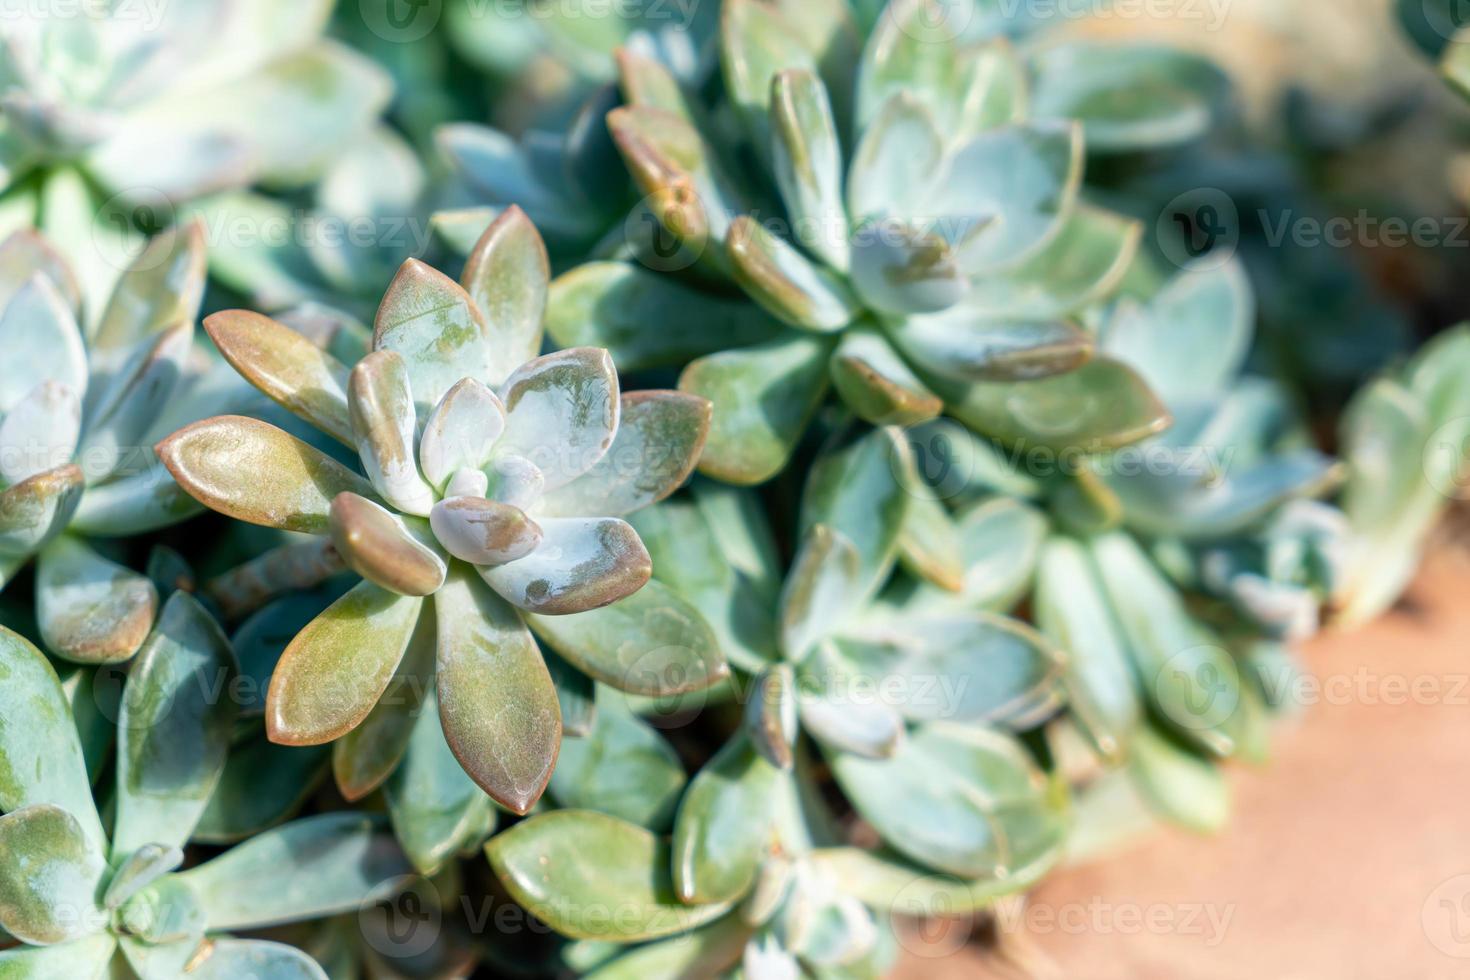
[[808, 165], [308, 869], [381, 403], [50, 876], [294, 372], [263, 786], [462, 431], [840, 720], [724, 825], [1101, 405], [703, 952], [123, 409], [611, 304], [886, 882], [660, 437], [497, 703], [902, 269], [254, 472], [136, 504], [652, 643], [91, 610], [790, 286], [1184, 788], [39, 431], [963, 345], [40, 336], [506, 275], [435, 806], [825, 585], [758, 42], [897, 161], [41, 761], [771, 715], [178, 712], [863, 490], [763, 397], [335, 670], [622, 767], [581, 564], [1072, 608], [228, 958], [876, 384], [434, 325], [929, 547], [966, 801], [26, 252], [87, 957], [592, 876]]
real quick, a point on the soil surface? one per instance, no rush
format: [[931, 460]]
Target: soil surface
[[1347, 857]]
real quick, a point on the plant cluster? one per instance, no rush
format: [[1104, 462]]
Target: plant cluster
[[816, 501]]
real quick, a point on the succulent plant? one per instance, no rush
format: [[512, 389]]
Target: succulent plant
[[80, 408], [504, 505], [116, 113], [949, 268], [78, 899]]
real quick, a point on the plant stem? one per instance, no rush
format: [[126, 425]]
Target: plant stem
[[288, 568]]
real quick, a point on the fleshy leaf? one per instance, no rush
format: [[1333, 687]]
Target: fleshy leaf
[[790, 286], [876, 383], [824, 586], [496, 701], [90, 609], [652, 643], [611, 304], [178, 713], [377, 544], [254, 472], [434, 804], [294, 372], [85, 957], [128, 403], [35, 510], [41, 762], [771, 715], [40, 432], [1186, 789], [308, 869], [39, 335], [1102, 405], [622, 767], [484, 532], [762, 396], [807, 158], [966, 801], [724, 825], [581, 564], [438, 330], [570, 867], [864, 726], [507, 275], [963, 345], [263, 786], [384, 424], [896, 162], [50, 876], [862, 491], [902, 269], [660, 437], [561, 412], [227, 959], [757, 42], [335, 670], [462, 431]]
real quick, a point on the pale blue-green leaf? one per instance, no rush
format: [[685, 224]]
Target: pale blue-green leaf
[[129, 400], [308, 869], [652, 643], [701, 953], [40, 432], [770, 720], [430, 321], [763, 396], [1190, 340], [875, 382], [887, 882], [897, 160], [178, 712], [91, 610], [263, 786], [35, 510], [825, 585], [146, 865], [380, 400], [507, 276], [966, 801], [622, 767], [561, 412], [481, 531], [862, 491], [901, 269], [86, 958], [724, 825], [808, 164], [929, 547], [660, 437], [790, 286], [137, 504], [573, 869], [1072, 608], [756, 43], [610, 304], [26, 252], [50, 876], [231, 959], [845, 717], [42, 342], [581, 564], [999, 541], [41, 758], [160, 288], [964, 344], [994, 89], [1183, 788], [462, 431], [913, 48]]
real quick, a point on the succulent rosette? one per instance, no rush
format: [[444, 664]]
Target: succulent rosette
[[494, 481], [79, 410], [82, 901]]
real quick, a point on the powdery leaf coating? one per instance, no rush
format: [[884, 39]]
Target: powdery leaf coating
[[91, 610], [581, 564], [49, 876]]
